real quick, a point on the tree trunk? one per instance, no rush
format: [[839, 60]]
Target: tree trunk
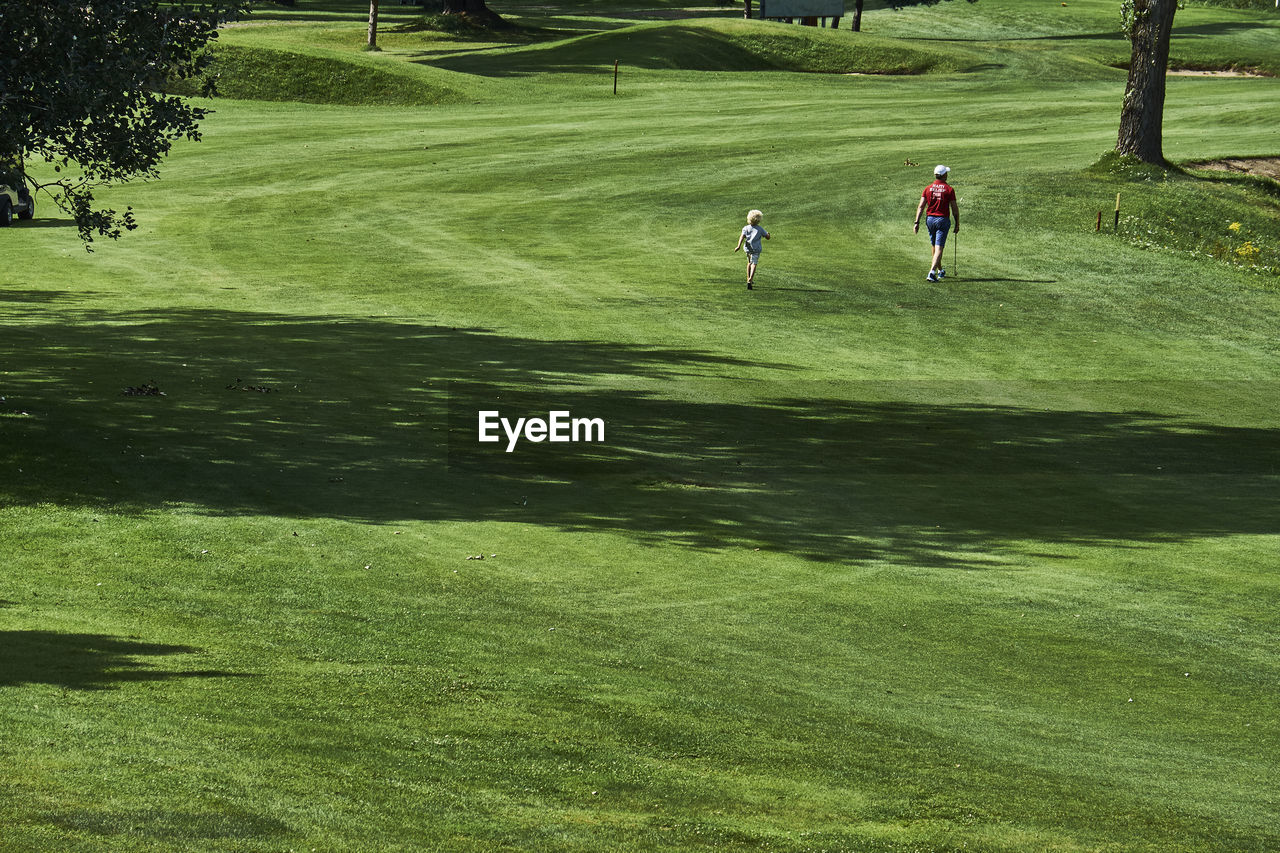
[[857, 16], [474, 9], [1142, 115], [373, 24], [746, 8]]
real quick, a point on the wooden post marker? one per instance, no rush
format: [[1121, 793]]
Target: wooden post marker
[[1098, 227], [615, 77], [1117, 225]]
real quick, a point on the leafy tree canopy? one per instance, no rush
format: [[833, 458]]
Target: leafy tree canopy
[[80, 90]]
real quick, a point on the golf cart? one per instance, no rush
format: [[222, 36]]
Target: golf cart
[[15, 199]]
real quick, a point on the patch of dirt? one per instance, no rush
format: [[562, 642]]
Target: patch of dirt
[[1268, 166], [1189, 72]]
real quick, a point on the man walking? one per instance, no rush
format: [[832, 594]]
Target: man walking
[[938, 203]]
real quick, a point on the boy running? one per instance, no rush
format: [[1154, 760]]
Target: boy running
[[751, 234]]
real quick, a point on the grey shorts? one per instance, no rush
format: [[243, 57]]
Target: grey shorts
[[752, 257]]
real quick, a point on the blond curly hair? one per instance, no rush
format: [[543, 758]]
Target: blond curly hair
[[754, 217]]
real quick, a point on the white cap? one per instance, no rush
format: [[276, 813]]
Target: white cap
[[940, 171]]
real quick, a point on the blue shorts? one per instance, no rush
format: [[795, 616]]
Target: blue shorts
[[938, 227]]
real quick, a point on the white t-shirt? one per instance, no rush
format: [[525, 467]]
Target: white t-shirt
[[751, 235]]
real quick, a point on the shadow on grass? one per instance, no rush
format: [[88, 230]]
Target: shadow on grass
[[375, 420], [998, 39], [1199, 171], [86, 661], [47, 222], [171, 825], [675, 14], [49, 296], [1222, 28], [956, 279]]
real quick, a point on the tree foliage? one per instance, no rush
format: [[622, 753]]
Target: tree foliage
[[81, 91]]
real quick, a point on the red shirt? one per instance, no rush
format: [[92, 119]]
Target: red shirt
[[938, 198]]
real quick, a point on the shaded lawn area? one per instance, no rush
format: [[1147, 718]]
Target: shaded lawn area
[[375, 420]]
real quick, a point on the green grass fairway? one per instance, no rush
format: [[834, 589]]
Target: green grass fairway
[[864, 563]]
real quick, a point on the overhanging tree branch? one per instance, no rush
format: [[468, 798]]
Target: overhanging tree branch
[[80, 91]]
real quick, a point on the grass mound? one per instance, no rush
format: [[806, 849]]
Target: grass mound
[[792, 48], [725, 45], [471, 26], [1230, 217], [1125, 167], [266, 74]]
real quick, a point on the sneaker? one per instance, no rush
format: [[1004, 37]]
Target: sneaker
[[749, 287], [942, 274], [931, 277]]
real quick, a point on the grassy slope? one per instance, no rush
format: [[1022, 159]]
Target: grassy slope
[[1203, 37], [961, 580], [723, 45], [261, 73]]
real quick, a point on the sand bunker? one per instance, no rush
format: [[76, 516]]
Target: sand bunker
[[1269, 166], [1187, 72]]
